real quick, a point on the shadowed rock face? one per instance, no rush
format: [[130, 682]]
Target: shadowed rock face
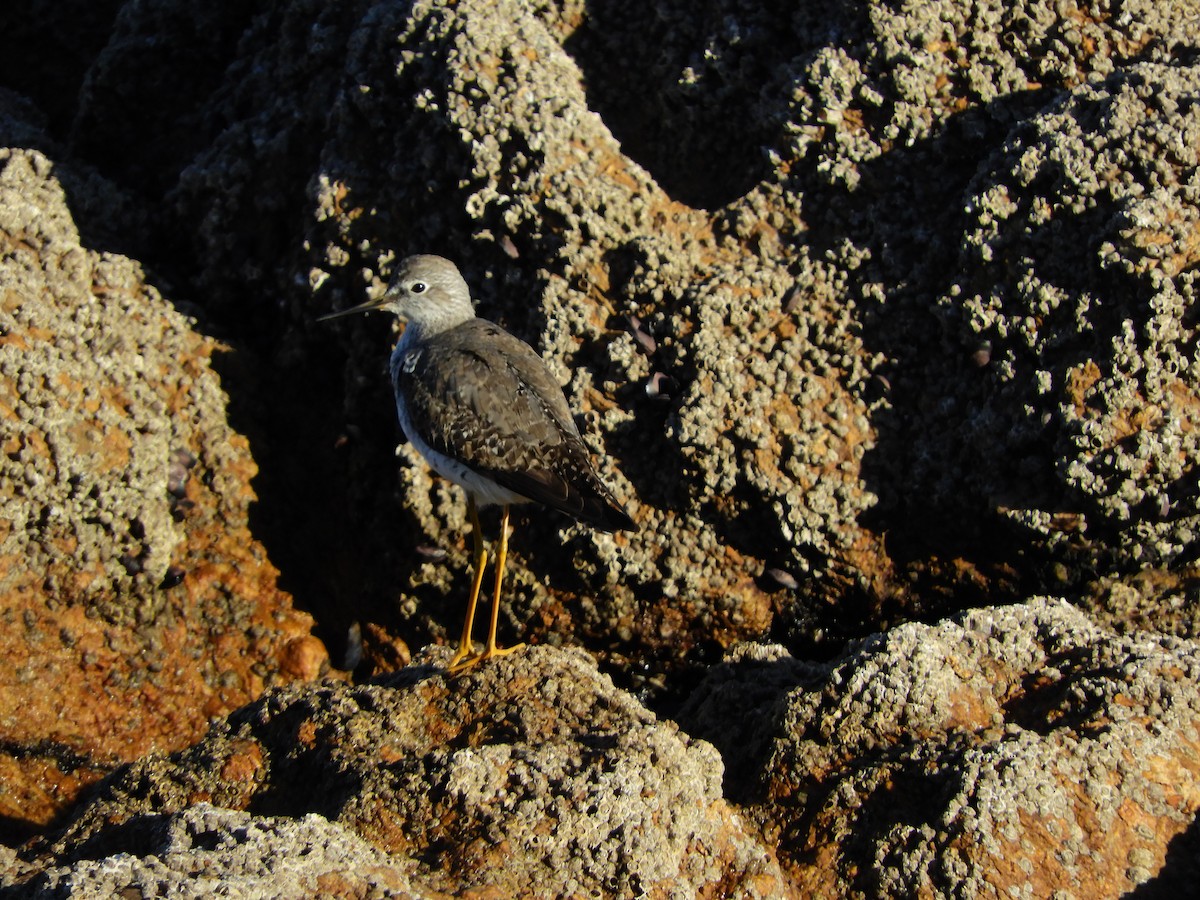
[[872, 313]]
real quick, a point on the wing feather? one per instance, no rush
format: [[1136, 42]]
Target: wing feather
[[482, 396]]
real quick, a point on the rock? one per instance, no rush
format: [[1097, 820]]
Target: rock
[[1017, 751], [1078, 267], [204, 852], [797, 211], [920, 276], [136, 602], [532, 773], [46, 51]]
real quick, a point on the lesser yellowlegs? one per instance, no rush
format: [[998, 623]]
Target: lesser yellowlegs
[[484, 411]]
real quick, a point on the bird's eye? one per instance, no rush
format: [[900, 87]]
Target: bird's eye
[[418, 287]]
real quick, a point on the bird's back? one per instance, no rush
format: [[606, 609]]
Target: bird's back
[[480, 396]]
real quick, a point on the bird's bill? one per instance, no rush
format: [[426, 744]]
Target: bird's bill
[[377, 303]]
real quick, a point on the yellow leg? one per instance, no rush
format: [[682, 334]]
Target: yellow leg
[[491, 649], [465, 656]]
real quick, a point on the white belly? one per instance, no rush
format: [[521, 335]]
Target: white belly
[[484, 490]]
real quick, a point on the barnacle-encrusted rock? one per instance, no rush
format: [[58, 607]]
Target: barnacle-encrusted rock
[[136, 604], [532, 774], [1017, 751]]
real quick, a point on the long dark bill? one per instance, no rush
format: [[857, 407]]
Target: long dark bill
[[377, 303]]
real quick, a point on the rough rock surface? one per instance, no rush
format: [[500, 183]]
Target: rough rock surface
[[533, 770], [874, 312], [1081, 419], [816, 221], [908, 283], [205, 852], [1017, 751], [135, 603]]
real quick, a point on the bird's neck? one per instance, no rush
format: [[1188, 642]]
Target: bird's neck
[[418, 331], [433, 322]]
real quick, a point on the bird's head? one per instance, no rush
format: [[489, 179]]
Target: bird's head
[[427, 292]]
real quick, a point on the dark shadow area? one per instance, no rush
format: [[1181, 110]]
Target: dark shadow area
[[291, 414], [907, 790], [659, 478], [46, 52], [47, 47], [142, 131], [305, 777], [142, 835], [1044, 703], [754, 694], [680, 84], [57, 757], [1180, 873]]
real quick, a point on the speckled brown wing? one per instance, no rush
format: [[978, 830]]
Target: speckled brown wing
[[479, 395]]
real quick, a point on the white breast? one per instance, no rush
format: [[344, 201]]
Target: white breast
[[484, 490]]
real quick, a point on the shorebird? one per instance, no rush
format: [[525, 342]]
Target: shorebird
[[484, 411]]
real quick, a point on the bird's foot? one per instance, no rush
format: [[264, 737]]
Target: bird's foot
[[493, 651], [464, 657], [463, 661]]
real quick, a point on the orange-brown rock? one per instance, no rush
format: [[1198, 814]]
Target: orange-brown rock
[[528, 776], [136, 605], [1016, 751]]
